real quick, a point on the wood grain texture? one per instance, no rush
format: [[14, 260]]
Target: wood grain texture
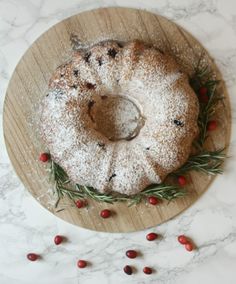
[[29, 84]]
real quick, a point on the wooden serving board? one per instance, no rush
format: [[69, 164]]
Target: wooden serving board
[[29, 84]]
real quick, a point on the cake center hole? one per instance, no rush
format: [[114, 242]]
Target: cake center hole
[[117, 117]]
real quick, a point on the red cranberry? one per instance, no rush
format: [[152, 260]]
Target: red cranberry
[[182, 239], [189, 246], [151, 236], [58, 240], [128, 270], [153, 200], [203, 99], [105, 213], [211, 125], [44, 157], [147, 270], [81, 263], [32, 256], [203, 91], [202, 95], [80, 203], [182, 180], [131, 254]]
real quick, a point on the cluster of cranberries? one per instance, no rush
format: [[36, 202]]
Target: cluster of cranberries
[[129, 270], [151, 237], [57, 240], [183, 240], [133, 254]]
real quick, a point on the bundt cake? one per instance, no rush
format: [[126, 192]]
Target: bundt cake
[[119, 116]]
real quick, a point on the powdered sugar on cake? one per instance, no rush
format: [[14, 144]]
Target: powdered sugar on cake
[[158, 125]]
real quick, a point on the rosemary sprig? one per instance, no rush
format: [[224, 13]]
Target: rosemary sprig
[[208, 162], [205, 78], [95, 195], [162, 191], [61, 181]]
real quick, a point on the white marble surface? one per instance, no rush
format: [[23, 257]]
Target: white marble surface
[[25, 226]]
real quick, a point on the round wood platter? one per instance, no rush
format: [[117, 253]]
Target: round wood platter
[[29, 84]]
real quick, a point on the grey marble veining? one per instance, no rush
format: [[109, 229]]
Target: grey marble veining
[[211, 222]]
